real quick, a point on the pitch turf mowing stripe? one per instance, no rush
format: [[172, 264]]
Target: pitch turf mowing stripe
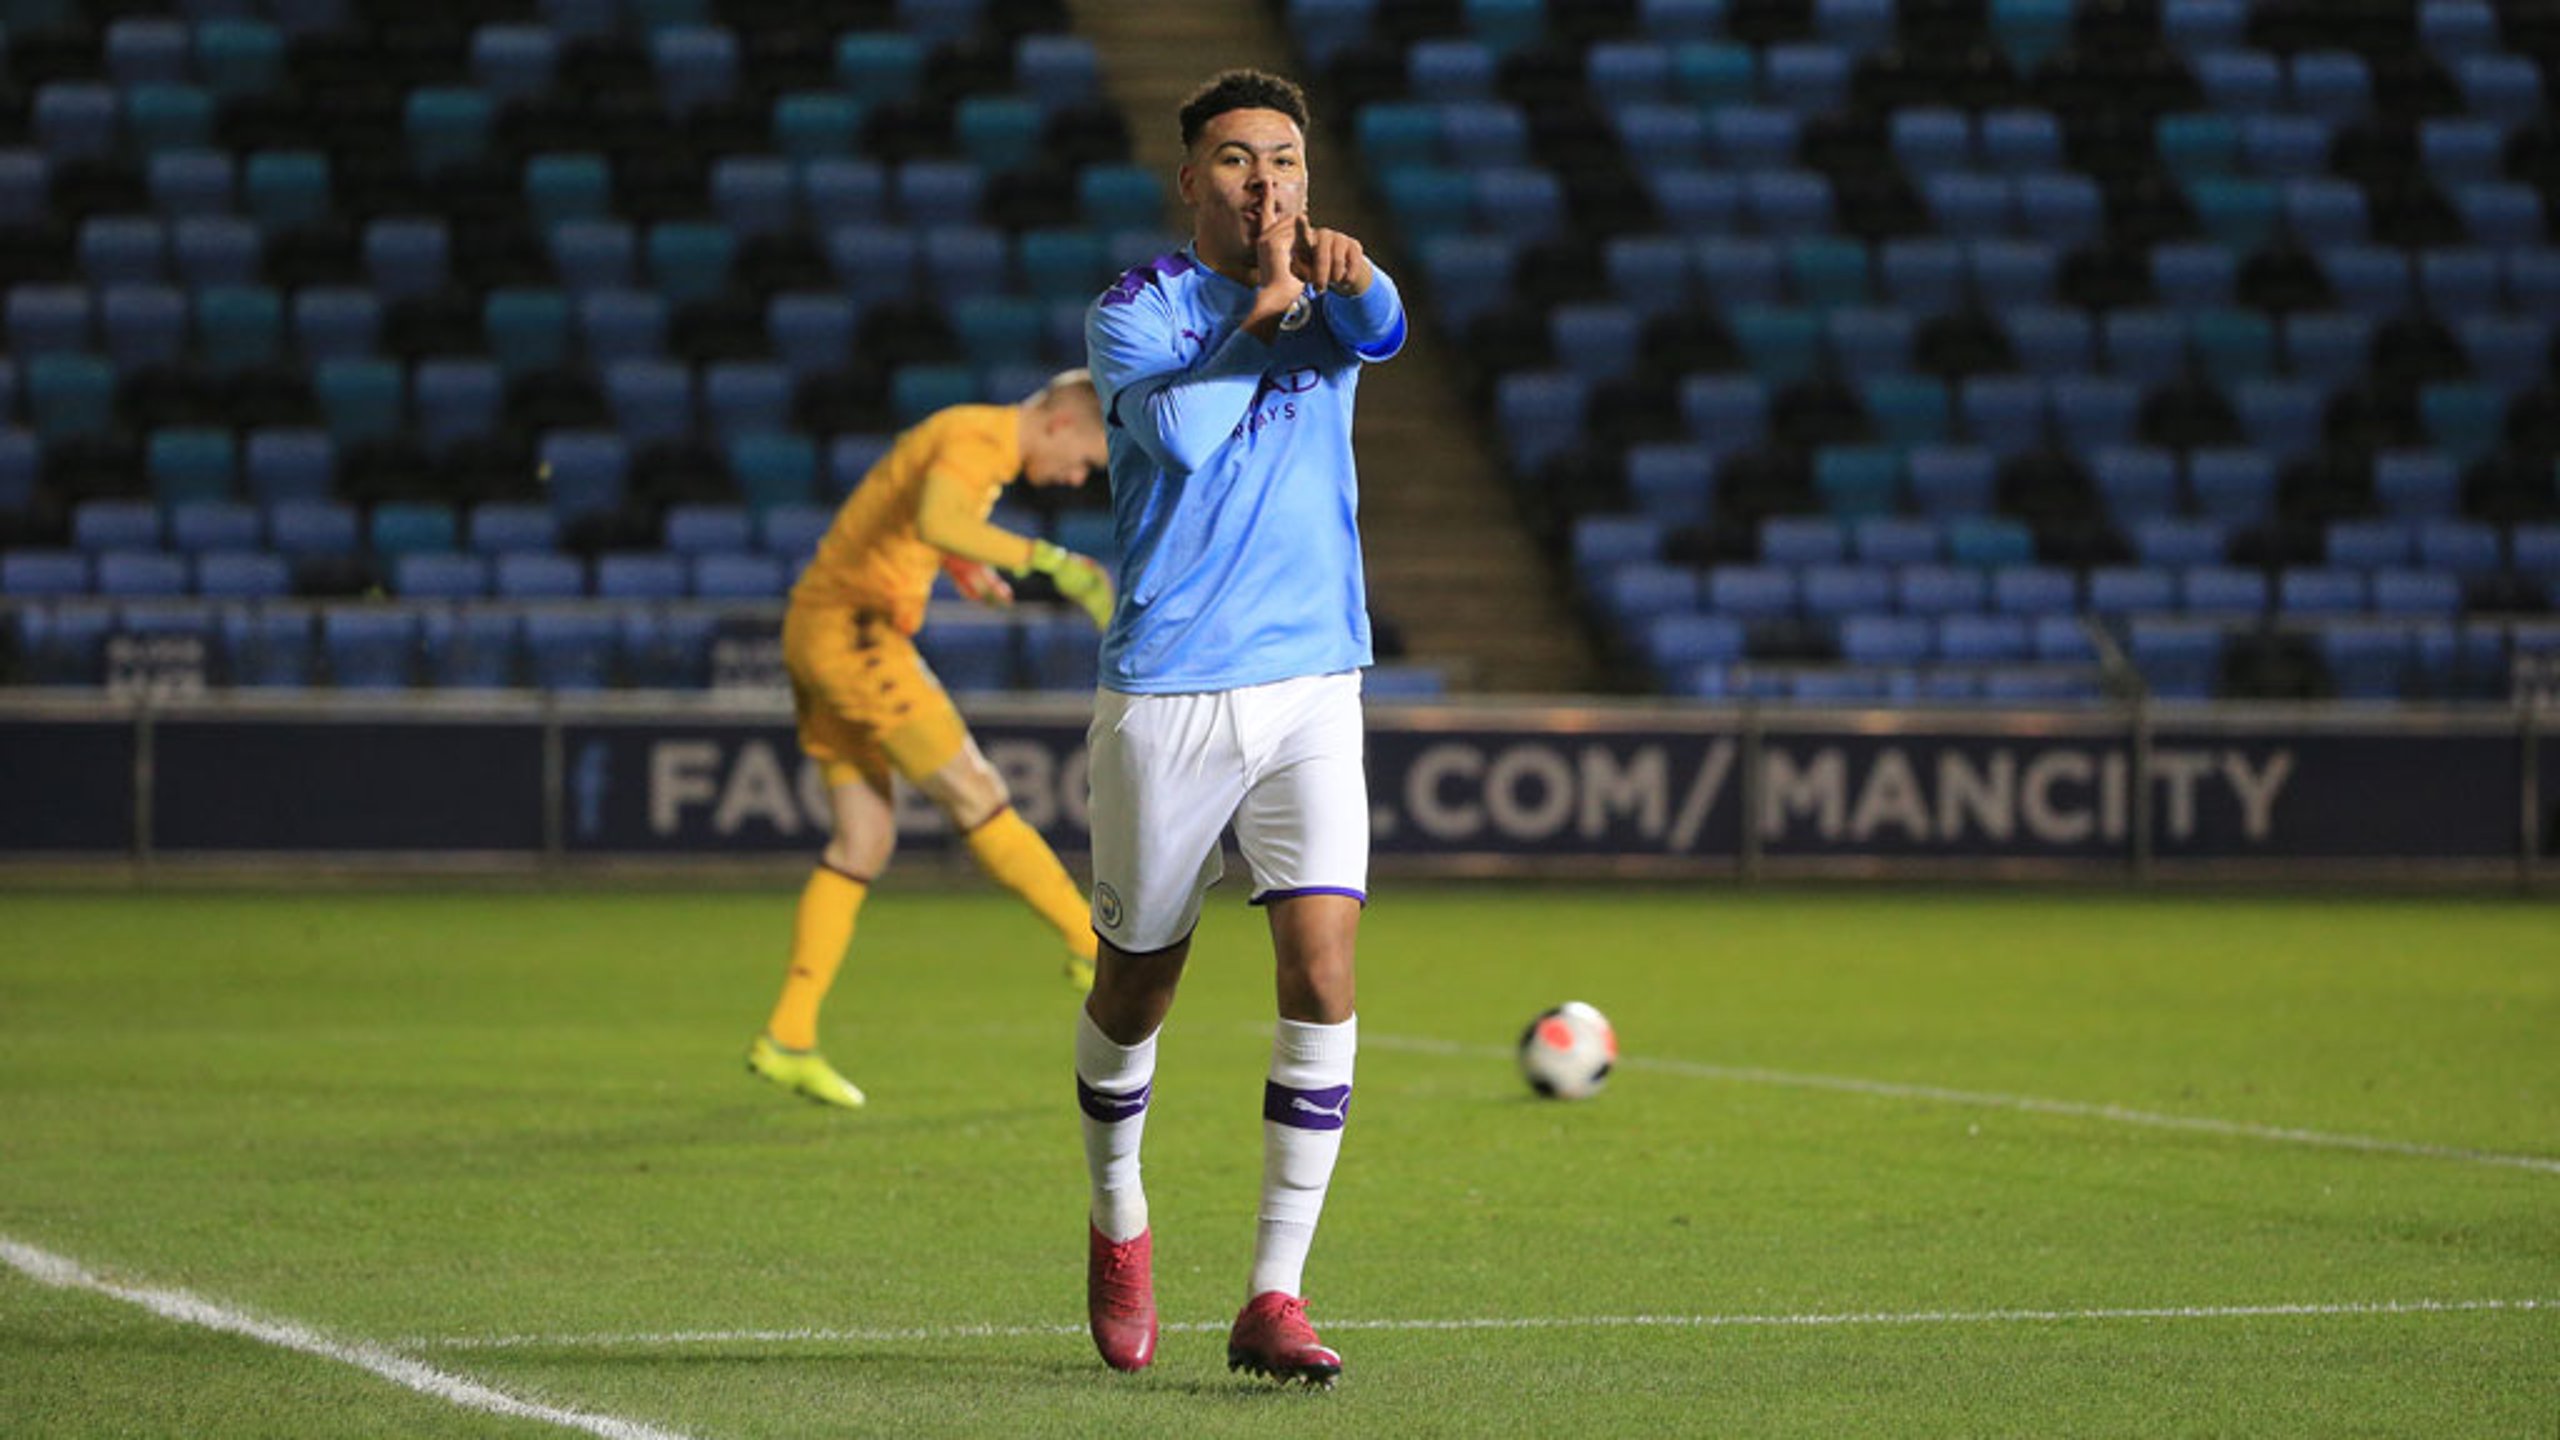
[[1817, 1320], [1992, 1100], [63, 1273]]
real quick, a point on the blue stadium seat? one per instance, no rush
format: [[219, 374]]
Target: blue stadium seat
[[739, 576], [1654, 136], [408, 257], [585, 471], [1442, 70], [447, 127], [620, 325], [1725, 413], [2464, 420], [851, 457], [651, 400], [1953, 480], [369, 649], [2178, 659], [1734, 272], [329, 322], [2367, 660], [773, 469], [2003, 414], [1631, 594], [289, 464], [457, 402], [2063, 639], [970, 650], [70, 397], [500, 527], [2453, 30], [122, 250], [1808, 78], [746, 397], [538, 575], [938, 192], [527, 329], [360, 400], [2021, 141], [811, 125], [2302, 590], [1886, 639], [403, 527], [1787, 204], [1782, 345], [239, 57], [1057, 71], [2195, 275], [143, 327], [1674, 642], [2171, 542], [439, 576], [571, 650], [1908, 411], [267, 647], [690, 260], [285, 189], [1119, 197], [2030, 31], [562, 187], [2051, 341], [2035, 590], [191, 464], [1984, 639], [1672, 483], [2321, 213], [1633, 71], [1540, 415], [1828, 592], [2233, 485], [26, 187], [2131, 590], [470, 648], [115, 525], [2198, 144], [514, 62], [696, 65], [1520, 203], [2459, 281], [2242, 215], [2240, 82], [2537, 550], [242, 575], [2507, 353], [1965, 206], [1063, 264], [2370, 280], [2147, 347], [2286, 418], [129, 575], [1930, 140], [1597, 341], [168, 117], [2331, 84], [2328, 348], [76, 120], [142, 51], [210, 525], [1989, 541], [1939, 589], [239, 327], [46, 320], [1751, 592], [2060, 209], [1895, 540], [2506, 89], [640, 575], [2533, 280], [2429, 593], [1857, 481], [2464, 548], [2092, 413], [39, 574], [2500, 214], [1801, 540], [2227, 592], [791, 532], [700, 529], [1697, 202], [301, 528], [1752, 138], [1869, 345], [592, 255]]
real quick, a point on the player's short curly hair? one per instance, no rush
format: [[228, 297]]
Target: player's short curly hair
[[1241, 90]]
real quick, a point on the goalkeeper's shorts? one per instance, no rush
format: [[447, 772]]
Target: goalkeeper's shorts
[[867, 703], [1282, 761]]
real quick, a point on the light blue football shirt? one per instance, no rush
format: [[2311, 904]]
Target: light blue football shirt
[[1232, 482]]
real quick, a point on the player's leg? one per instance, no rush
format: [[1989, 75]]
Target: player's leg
[[1156, 817], [1305, 831], [857, 852], [932, 747]]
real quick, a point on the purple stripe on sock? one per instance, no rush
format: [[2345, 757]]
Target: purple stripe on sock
[[1267, 896], [1322, 1109], [1111, 1109]]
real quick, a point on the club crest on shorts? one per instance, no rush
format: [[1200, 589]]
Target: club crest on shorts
[[1106, 906]]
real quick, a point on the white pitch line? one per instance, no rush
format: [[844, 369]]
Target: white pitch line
[[668, 1339], [61, 1272], [1993, 1100]]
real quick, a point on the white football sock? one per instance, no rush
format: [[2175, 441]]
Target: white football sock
[[1112, 1085], [1303, 1109]]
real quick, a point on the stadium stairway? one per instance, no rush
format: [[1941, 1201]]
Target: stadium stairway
[[1446, 556]]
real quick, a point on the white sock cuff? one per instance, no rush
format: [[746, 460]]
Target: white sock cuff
[[1107, 1065], [1312, 1057]]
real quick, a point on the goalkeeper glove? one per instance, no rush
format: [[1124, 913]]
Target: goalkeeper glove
[[1078, 578]]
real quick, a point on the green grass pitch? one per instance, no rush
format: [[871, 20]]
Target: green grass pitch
[[431, 1122]]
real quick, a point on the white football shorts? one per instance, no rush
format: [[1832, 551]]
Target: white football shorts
[[1282, 761]]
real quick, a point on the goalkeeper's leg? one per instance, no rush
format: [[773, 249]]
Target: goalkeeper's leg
[[865, 835], [936, 753]]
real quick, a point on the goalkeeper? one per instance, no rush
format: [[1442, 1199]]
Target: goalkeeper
[[869, 707]]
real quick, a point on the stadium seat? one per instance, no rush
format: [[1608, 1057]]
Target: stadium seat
[[972, 651], [538, 575], [2303, 591], [439, 576], [369, 649], [738, 576], [242, 575], [1830, 592], [571, 650], [2179, 660], [470, 647]]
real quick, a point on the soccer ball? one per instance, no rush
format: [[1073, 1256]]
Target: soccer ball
[[1567, 1052]]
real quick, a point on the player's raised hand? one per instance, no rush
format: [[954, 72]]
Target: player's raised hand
[[1275, 247], [1329, 259], [977, 582], [1079, 579]]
